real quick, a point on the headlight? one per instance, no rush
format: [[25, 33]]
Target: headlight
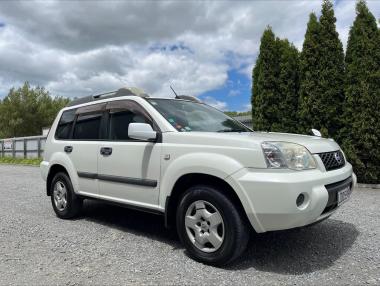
[[287, 155]]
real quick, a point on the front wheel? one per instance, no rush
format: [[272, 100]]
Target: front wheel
[[210, 226]]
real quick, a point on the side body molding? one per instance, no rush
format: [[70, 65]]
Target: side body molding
[[118, 179]]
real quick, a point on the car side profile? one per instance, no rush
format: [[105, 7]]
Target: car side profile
[[211, 177]]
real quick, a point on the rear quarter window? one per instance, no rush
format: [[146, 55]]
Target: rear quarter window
[[65, 124]]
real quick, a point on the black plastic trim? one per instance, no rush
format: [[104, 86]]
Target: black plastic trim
[[167, 224], [127, 180], [333, 189], [125, 205], [339, 185], [87, 175], [119, 179], [334, 167]]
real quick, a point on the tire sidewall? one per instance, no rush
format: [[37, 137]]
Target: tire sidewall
[[223, 205], [64, 178]]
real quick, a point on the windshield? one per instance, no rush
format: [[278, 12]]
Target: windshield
[[187, 116]]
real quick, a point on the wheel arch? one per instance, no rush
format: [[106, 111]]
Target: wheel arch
[[186, 181], [54, 169]]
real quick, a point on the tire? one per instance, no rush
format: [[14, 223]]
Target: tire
[[66, 203], [228, 231]]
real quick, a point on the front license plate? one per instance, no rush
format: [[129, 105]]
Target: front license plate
[[343, 195]]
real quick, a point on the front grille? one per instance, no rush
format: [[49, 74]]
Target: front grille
[[332, 160], [333, 189]]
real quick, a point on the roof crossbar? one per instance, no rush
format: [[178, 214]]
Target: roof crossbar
[[125, 91], [188, 97]]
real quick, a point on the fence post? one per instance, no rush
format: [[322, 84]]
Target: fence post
[[25, 149], [13, 148], [39, 147]]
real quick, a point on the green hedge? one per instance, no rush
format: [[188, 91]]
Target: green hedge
[[20, 161]]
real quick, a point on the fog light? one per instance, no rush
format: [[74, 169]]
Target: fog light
[[300, 200]]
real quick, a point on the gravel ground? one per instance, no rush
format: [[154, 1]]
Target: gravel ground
[[112, 245]]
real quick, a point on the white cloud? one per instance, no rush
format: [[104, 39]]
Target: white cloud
[[233, 92], [215, 103], [112, 67], [76, 48]]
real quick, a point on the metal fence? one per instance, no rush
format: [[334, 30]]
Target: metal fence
[[23, 147]]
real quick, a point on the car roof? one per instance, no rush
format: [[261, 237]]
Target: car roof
[[122, 92]]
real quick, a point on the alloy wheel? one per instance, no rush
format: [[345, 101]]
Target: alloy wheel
[[204, 226], [60, 195]]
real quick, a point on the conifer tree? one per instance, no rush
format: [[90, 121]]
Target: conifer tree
[[265, 82], [288, 87], [275, 85], [309, 72], [322, 74], [361, 134]]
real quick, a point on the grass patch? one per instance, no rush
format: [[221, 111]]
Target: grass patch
[[20, 161]]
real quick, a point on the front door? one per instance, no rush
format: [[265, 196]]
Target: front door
[[128, 169]]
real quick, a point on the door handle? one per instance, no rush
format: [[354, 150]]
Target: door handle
[[106, 151], [68, 149]]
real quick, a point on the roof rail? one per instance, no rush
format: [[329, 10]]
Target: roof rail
[[124, 91], [188, 97]]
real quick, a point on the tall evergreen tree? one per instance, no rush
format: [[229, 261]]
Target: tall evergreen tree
[[322, 93], [275, 85], [288, 87], [361, 134], [309, 73], [265, 82]]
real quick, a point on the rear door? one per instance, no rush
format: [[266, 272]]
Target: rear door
[[128, 169], [83, 145]]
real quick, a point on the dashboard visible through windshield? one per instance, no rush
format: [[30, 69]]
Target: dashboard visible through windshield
[[187, 116]]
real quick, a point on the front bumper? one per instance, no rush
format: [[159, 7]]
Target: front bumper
[[269, 196]]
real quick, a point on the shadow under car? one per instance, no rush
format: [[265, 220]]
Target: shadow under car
[[294, 251]]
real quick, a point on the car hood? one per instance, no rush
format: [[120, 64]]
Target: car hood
[[314, 144], [252, 139]]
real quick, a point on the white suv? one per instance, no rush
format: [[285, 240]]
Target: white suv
[[210, 176]]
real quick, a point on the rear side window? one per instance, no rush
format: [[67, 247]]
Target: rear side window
[[65, 124], [87, 126]]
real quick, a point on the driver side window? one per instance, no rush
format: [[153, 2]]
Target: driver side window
[[121, 115]]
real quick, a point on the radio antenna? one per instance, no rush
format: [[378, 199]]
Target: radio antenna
[[176, 95]]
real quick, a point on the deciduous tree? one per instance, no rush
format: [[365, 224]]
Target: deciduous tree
[[26, 110]]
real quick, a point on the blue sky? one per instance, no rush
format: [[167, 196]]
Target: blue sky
[[236, 92], [202, 48]]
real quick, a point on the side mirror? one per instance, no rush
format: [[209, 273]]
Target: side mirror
[[141, 131]]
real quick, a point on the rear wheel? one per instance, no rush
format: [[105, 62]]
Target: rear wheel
[[66, 203], [210, 226]]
